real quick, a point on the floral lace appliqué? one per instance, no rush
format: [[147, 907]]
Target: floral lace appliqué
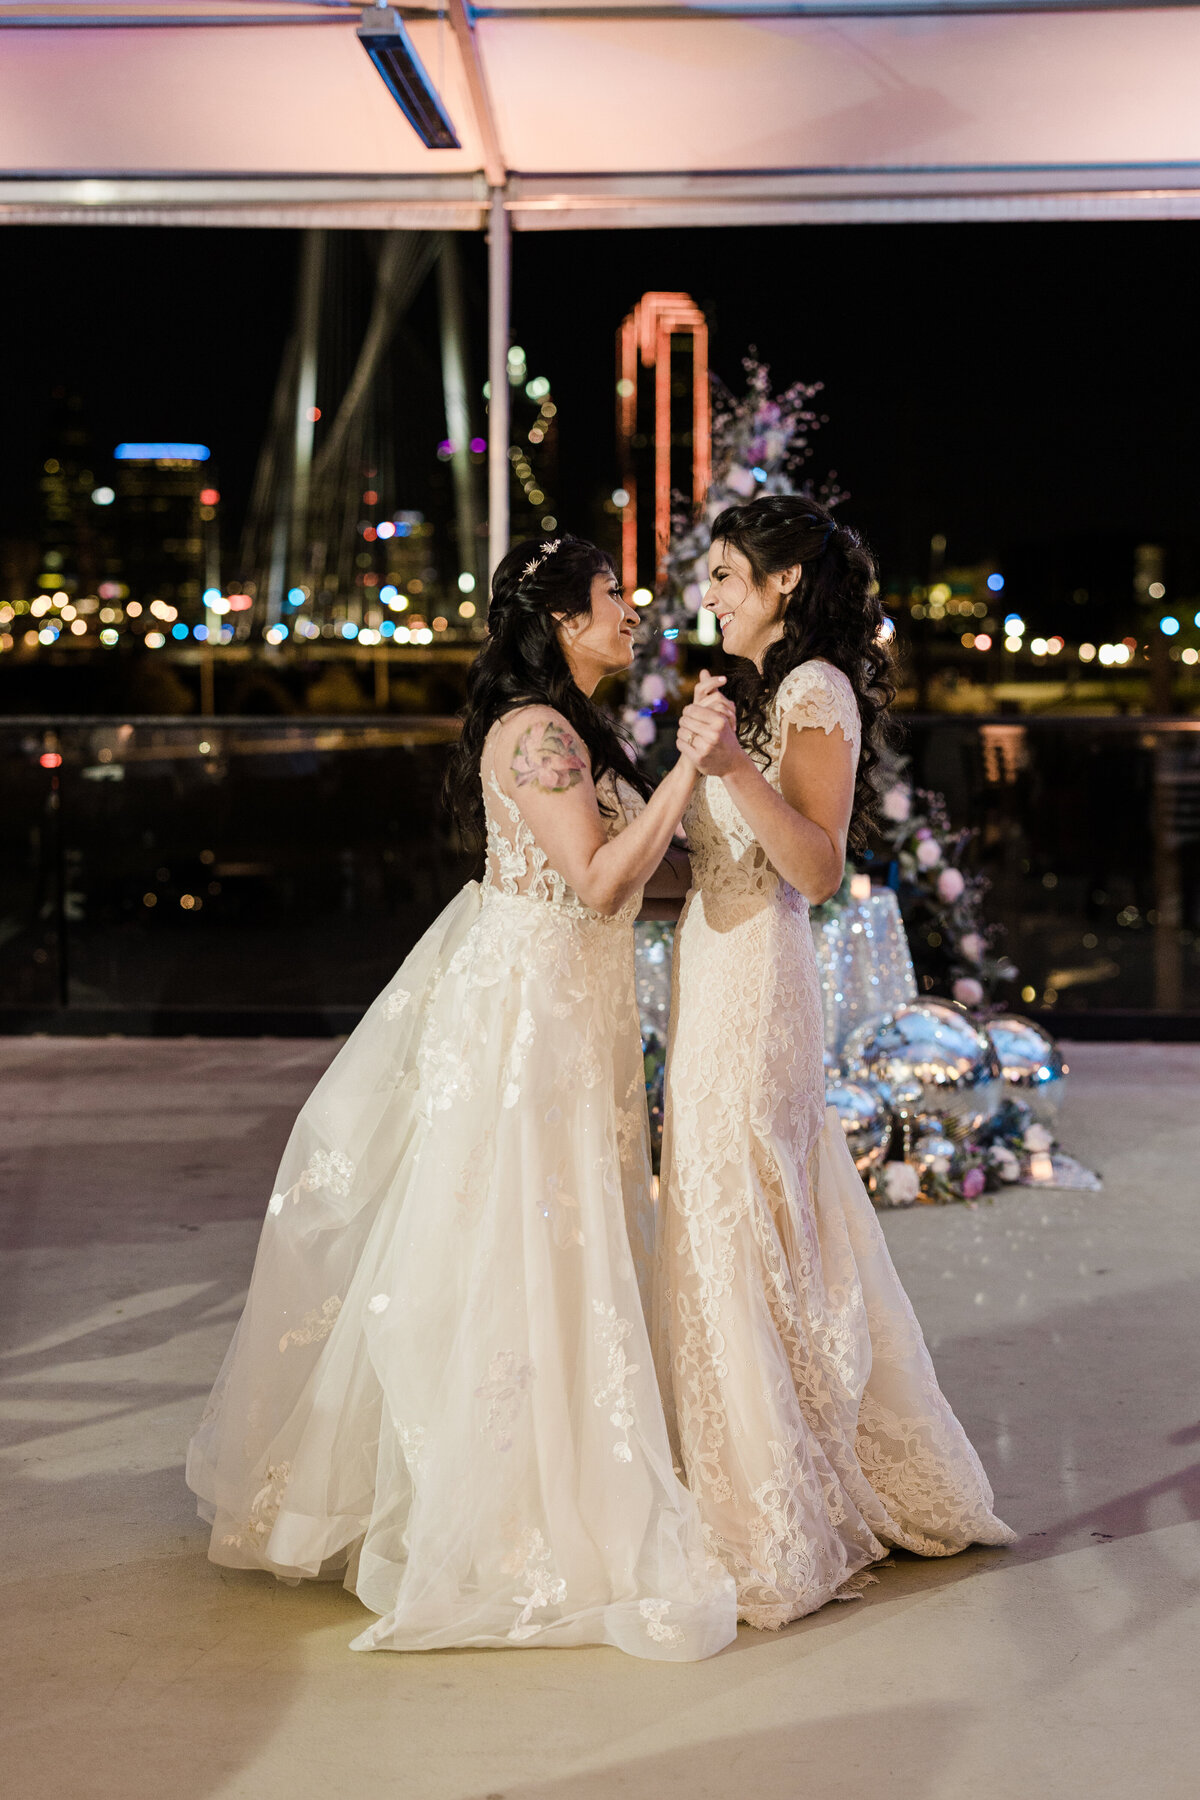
[[315, 1325], [655, 1612], [327, 1171], [611, 1333], [264, 1509], [532, 1560], [504, 1389], [525, 1034]]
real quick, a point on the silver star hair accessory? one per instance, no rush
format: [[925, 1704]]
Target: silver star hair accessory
[[547, 549]]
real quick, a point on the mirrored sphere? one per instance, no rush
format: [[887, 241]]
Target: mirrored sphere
[[865, 1119], [936, 1056], [932, 1151], [1030, 1062]]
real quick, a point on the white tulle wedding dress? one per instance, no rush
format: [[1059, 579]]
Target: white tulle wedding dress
[[810, 1422], [441, 1388]]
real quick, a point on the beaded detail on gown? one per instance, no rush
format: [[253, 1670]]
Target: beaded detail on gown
[[810, 1422], [441, 1388]]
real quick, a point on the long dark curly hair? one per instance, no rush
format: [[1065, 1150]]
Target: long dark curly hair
[[834, 613], [522, 664]]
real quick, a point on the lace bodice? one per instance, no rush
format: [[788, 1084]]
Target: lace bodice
[[517, 863], [728, 862]]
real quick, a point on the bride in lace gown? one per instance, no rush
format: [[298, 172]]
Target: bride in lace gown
[[441, 1389], [810, 1422]]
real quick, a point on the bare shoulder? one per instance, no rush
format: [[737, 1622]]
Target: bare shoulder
[[537, 750]]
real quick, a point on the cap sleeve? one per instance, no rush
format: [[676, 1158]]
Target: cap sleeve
[[817, 695]]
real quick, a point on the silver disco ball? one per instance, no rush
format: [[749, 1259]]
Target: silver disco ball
[[1031, 1064], [933, 1063], [932, 1153], [865, 1119]]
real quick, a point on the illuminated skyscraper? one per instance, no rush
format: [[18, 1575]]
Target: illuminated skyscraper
[[159, 514]]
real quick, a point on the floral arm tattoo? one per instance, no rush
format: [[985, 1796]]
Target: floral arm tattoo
[[552, 763]]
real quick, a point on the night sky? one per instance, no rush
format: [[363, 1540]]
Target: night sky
[[1028, 390]]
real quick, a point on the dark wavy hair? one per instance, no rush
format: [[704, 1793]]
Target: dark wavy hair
[[522, 664], [833, 612]]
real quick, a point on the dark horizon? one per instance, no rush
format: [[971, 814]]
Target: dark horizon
[[1026, 390]]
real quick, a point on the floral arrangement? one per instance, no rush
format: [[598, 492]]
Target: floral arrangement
[[760, 442], [953, 949], [997, 1156]]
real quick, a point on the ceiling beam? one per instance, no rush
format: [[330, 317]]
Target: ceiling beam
[[494, 166]]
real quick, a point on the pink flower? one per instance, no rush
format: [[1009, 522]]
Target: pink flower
[[950, 884], [741, 481], [973, 1183], [643, 731], [653, 688], [929, 853], [972, 946], [896, 805], [967, 991]]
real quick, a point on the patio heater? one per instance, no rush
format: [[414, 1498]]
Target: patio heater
[[382, 35]]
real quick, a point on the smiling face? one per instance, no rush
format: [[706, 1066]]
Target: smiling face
[[750, 617], [600, 642]]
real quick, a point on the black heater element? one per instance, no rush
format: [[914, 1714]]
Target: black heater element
[[383, 37]]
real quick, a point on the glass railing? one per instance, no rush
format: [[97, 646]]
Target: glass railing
[[156, 873], [1089, 830], [164, 876]]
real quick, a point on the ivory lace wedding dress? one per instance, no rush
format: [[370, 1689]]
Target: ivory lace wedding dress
[[810, 1422], [442, 1387]]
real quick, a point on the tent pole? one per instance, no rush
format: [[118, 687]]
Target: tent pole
[[308, 327], [499, 296], [458, 406]]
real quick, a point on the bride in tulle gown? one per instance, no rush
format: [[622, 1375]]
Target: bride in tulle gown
[[809, 1418], [441, 1389]]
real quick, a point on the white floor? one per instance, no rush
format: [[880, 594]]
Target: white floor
[[1064, 1327]]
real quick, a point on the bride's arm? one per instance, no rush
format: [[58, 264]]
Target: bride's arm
[[803, 826], [544, 767]]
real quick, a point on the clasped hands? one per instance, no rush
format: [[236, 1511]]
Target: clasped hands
[[707, 734]]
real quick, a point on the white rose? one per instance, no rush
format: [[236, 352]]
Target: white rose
[[900, 1184], [929, 853], [896, 805], [1037, 1138], [1004, 1162]]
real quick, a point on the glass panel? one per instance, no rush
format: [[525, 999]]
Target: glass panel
[[281, 870], [250, 867], [1090, 833]]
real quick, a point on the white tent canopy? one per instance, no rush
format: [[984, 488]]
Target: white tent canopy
[[586, 113], [596, 114]]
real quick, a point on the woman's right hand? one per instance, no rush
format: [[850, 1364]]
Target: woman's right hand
[[707, 734]]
